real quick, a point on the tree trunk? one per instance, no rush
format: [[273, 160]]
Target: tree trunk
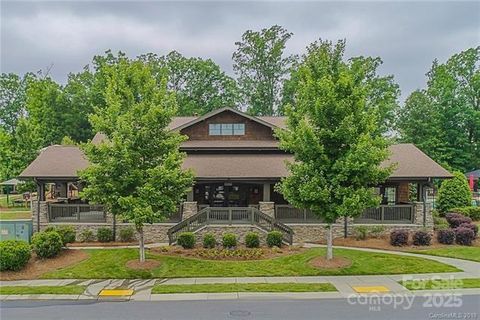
[[141, 244], [329, 243]]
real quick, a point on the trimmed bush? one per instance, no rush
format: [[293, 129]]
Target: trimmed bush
[[67, 233], [471, 226], [47, 244], [360, 232], [464, 236], [14, 255], [86, 236], [377, 231], [446, 236], [471, 212], [127, 234], [209, 241], [229, 240], [399, 238], [252, 240], [454, 193], [456, 219], [422, 238], [104, 234], [186, 240], [274, 239]]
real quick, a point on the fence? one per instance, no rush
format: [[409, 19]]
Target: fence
[[402, 213], [288, 214], [59, 212]]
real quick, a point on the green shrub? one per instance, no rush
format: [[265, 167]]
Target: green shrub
[[86, 236], [252, 240], [454, 193], [229, 240], [14, 255], [67, 233], [104, 234], [186, 240], [274, 239], [472, 212], [377, 231], [209, 241], [360, 232], [127, 234], [47, 244]]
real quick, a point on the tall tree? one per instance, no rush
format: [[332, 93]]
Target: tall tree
[[137, 172], [452, 98], [200, 85], [333, 134], [382, 92], [261, 66]]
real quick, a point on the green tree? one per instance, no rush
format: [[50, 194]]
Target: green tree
[[137, 172], [454, 193], [200, 85], [446, 115], [261, 66], [332, 133]]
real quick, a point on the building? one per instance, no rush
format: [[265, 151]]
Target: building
[[237, 162]]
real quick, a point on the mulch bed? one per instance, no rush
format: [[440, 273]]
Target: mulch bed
[[241, 253], [36, 267], [384, 244], [148, 264], [335, 263]]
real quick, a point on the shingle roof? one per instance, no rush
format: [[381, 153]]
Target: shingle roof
[[230, 144], [56, 162], [65, 161], [413, 163]]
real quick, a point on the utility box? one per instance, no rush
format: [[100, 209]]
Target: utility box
[[16, 230]]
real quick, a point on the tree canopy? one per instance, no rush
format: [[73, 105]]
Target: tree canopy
[[332, 131], [136, 172], [444, 119], [261, 66]]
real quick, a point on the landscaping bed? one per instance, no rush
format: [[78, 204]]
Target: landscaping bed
[[37, 267], [240, 253], [244, 287], [101, 244]]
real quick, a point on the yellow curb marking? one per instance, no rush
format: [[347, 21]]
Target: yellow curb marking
[[116, 292], [371, 289]]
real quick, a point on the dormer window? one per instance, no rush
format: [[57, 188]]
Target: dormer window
[[226, 129]]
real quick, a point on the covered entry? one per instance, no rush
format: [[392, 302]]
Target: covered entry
[[228, 194]]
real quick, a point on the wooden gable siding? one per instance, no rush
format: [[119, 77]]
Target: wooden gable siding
[[253, 129]]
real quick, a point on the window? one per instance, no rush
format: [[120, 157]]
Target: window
[[215, 129], [239, 129], [226, 129]]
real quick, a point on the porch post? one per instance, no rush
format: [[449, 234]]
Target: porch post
[[266, 192]]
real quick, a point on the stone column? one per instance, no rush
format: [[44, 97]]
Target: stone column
[[189, 209], [418, 212], [267, 207], [43, 214]]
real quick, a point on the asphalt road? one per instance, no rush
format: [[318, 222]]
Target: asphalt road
[[245, 309]]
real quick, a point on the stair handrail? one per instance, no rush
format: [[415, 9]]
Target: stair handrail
[[187, 224]]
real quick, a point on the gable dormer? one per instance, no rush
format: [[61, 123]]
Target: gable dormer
[[228, 124]]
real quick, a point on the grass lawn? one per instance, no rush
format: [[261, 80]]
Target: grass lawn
[[459, 252], [441, 284], [244, 287], [111, 264], [42, 289], [11, 197], [15, 214]]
